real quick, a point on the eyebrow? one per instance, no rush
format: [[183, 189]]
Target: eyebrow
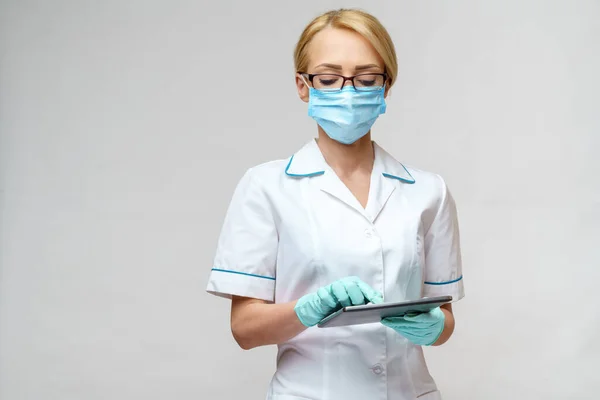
[[329, 66], [339, 67], [366, 66]]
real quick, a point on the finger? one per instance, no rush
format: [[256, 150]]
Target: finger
[[378, 299], [421, 321], [370, 294], [326, 298], [393, 322], [355, 293], [423, 316], [339, 291]]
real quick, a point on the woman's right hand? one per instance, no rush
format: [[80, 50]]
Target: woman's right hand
[[350, 291]]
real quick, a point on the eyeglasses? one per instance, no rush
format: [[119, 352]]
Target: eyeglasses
[[334, 82]]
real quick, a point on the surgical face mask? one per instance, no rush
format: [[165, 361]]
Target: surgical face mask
[[346, 115]]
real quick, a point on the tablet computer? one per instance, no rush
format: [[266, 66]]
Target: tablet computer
[[369, 313]]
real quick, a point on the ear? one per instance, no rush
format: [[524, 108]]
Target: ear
[[387, 89], [302, 87]]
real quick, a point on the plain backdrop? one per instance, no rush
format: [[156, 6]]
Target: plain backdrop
[[126, 124]]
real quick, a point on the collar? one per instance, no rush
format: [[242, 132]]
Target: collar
[[309, 162]]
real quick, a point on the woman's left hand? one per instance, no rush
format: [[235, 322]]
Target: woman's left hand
[[423, 329]]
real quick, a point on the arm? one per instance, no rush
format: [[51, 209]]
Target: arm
[[442, 274], [448, 325], [257, 322]]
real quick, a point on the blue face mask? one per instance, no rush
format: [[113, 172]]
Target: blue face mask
[[346, 115]]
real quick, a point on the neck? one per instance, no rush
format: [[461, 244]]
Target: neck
[[346, 159]]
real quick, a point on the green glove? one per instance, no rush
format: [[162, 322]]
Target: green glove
[[423, 329], [350, 291]]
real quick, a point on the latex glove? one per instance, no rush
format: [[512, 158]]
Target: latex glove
[[423, 329], [350, 291]]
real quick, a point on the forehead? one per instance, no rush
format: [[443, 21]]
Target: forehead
[[343, 47]]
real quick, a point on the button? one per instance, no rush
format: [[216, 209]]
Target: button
[[377, 369], [368, 233]]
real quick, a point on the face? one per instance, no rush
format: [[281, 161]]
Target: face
[[342, 52]]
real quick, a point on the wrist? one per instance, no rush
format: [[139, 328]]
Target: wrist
[[447, 328], [305, 312]]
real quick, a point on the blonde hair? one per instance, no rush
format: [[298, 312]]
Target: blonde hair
[[355, 20]]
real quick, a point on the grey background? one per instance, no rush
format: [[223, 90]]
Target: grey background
[[125, 126]]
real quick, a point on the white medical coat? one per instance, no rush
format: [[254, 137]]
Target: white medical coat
[[293, 226]]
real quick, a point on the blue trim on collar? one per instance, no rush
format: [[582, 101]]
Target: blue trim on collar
[[243, 273], [443, 283], [301, 175], [399, 178]]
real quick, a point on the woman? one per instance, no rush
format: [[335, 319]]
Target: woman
[[340, 223]]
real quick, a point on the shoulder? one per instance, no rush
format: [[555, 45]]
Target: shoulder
[[435, 193], [427, 180], [426, 184], [266, 173], [261, 179]]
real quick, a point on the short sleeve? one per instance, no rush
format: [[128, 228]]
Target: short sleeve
[[443, 262], [244, 264]]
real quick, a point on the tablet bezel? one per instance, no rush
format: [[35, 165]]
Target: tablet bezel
[[382, 310]]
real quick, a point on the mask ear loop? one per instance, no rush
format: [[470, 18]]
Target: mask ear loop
[[308, 86], [387, 89], [305, 81]]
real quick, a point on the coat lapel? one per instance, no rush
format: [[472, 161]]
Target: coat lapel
[[386, 176]]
